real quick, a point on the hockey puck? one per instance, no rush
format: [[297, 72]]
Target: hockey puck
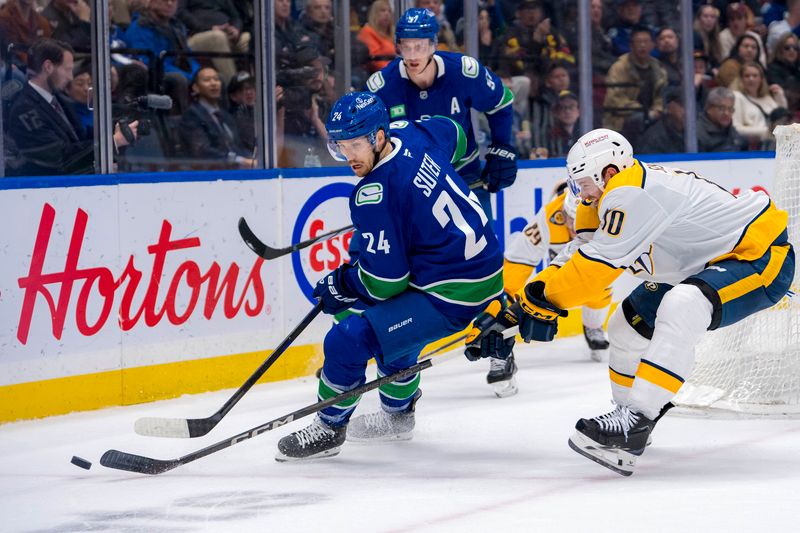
[[83, 463]]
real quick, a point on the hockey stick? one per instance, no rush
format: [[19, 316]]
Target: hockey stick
[[197, 427], [146, 465], [268, 252]]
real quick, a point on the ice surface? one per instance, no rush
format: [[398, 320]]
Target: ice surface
[[476, 463]]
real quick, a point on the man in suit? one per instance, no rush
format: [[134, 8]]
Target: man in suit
[[209, 132], [50, 138]]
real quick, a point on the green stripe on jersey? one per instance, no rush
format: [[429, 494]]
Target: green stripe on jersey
[[400, 391], [325, 392], [461, 143], [466, 160], [507, 98], [467, 291], [382, 288]]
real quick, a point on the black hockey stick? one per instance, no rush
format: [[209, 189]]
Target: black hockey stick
[[197, 427], [268, 252], [146, 465]]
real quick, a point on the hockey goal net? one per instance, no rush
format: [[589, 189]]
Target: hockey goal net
[[753, 367]]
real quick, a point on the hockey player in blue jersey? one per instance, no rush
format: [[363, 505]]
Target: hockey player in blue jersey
[[428, 264], [425, 82]]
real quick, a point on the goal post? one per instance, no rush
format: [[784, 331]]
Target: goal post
[[752, 368]]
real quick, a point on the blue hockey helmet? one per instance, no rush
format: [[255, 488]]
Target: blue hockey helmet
[[359, 114], [417, 23]]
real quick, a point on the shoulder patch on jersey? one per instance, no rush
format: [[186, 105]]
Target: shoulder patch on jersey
[[371, 193], [376, 82], [398, 124], [470, 67], [397, 111], [558, 218]]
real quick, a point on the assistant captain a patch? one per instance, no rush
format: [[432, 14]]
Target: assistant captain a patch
[[371, 193]]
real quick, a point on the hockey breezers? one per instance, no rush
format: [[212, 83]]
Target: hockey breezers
[[268, 252], [197, 427], [146, 465]]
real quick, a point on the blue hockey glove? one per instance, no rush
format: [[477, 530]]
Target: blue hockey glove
[[486, 337], [538, 318], [501, 167], [333, 293]]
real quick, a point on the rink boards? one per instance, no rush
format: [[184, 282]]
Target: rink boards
[[124, 289]]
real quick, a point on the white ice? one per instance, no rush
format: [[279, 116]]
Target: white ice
[[476, 463]]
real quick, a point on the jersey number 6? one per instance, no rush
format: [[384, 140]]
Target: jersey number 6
[[445, 210]]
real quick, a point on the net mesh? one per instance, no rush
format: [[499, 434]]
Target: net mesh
[[753, 367]]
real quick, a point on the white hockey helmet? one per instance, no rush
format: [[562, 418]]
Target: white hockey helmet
[[593, 153]]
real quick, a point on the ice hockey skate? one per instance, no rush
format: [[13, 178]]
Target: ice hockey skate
[[382, 426], [314, 441], [501, 376], [614, 439], [597, 340]]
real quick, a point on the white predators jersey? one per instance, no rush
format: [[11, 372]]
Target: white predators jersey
[[543, 238], [664, 224]]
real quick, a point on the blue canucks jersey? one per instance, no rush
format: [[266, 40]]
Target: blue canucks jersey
[[420, 226], [461, 83]]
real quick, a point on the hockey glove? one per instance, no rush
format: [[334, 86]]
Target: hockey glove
[[501, 167], [538, 318], [333, 293], [486, 337]]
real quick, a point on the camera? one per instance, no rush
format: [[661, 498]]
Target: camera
[[139, 108]]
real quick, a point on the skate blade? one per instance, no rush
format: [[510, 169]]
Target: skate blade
[[408, 435], [598, 355], [281, 458], [616, 460], [504, 389]]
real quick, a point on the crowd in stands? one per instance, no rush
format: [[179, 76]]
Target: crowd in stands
[[201, 53]]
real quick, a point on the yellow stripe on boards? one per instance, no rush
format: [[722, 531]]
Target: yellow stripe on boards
[[658, 377]]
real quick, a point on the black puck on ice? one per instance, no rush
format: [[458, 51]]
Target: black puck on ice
[[83, 463]]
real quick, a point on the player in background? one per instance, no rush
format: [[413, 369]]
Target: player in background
[[708, 259], [424, 82], [428, 264], [553, 230]]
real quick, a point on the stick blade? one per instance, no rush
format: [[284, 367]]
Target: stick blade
[[254, 243], [163, 427], [136, 463]]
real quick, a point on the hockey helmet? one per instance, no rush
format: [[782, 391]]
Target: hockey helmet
[[593, 153], [359, 114], [417, 23]]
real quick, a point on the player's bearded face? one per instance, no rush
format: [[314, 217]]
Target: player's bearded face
[[416, 54], [586, 188], [360, 153]]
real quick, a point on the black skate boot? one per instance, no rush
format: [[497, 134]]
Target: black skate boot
[[667, 407], [613, 440], [382, 426], [501, 376], [314, 441], [597, 340]]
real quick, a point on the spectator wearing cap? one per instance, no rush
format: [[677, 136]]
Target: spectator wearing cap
[[748, 48], [629, 16], [667, 53], [208, 132], [665, 136], [789, 24], [755, 100], [565, 131], [378, 35], [636, 85], [715, 130], [739, 19], [242, 96], [778, 117], [784, 69]]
